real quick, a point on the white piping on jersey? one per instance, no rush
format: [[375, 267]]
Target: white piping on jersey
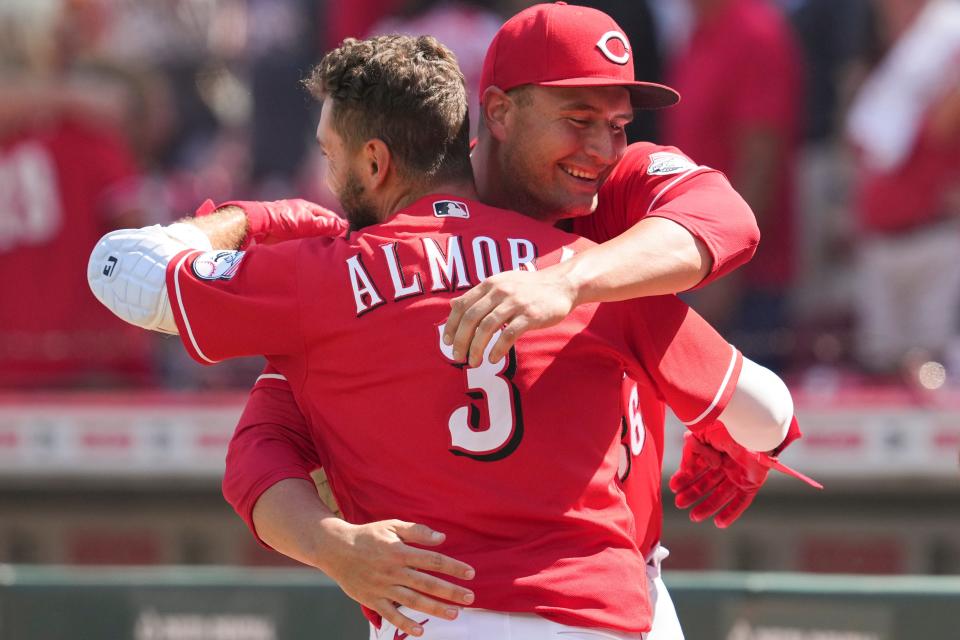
[[271, 376], [723, 386], [673, 183], [591, 633], [183, 311]]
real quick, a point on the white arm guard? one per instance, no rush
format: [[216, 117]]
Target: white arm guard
[[759, 412], [127, 272]]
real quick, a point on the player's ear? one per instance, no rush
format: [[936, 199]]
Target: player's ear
[[495, 110], [377, 161]]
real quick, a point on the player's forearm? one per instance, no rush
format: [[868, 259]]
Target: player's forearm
[[226, 228], [292, 519], [262, 453], [654, 257]]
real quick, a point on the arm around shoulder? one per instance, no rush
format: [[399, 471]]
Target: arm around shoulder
[[272, 442], [708, 207]]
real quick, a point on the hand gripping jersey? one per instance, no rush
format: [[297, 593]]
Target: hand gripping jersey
[[515, 461]]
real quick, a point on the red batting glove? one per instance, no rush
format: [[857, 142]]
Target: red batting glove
[[724, 476], [272, 222]]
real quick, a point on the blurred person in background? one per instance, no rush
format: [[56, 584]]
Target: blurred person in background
[[138, 109], [904, 124], [740, 77], [353, 19], [281, 44], [833, 36], [229, 116], [468, 25], [67, 174]]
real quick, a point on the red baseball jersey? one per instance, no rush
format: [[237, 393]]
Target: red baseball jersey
[[515, 461], [913, 194], [61, 187], [641, 461], [661, 181], [650, 180]]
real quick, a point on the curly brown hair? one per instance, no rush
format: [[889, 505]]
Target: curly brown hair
[[407, 91]]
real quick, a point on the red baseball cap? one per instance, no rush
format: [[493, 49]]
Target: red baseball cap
[[561, 45]]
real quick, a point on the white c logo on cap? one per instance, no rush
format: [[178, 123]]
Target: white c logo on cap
[[609, 55]]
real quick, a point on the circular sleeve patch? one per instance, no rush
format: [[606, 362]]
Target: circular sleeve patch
[[217, 265]]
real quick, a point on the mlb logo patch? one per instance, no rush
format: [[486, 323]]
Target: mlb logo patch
[[450, 209], [217, 265]]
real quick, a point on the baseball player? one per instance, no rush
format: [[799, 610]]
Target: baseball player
[[520, 482], [667, 224]]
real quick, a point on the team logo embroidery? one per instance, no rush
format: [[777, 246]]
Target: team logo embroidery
[[663, 163], [622, 58], [217, 265], [450, 209]]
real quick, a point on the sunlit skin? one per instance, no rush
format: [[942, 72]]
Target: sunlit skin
[[545, 151], [531, 141], [333, 148], [366, 178], [340, 172]]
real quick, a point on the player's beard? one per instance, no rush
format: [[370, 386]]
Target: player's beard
[[359, 211]]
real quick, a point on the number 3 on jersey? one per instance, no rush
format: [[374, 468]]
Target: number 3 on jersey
[[492, 382]]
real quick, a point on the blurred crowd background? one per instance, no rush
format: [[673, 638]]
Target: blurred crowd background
[[838, 121]]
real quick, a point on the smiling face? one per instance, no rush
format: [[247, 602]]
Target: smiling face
[[560, 146]]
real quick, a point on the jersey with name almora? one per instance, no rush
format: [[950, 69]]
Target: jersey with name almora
[[514, 460]]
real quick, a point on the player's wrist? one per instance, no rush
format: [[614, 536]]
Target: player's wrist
[[793, 434], [226, 226], [332, 537], [587, 275], [571, 281], [256, 218]]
